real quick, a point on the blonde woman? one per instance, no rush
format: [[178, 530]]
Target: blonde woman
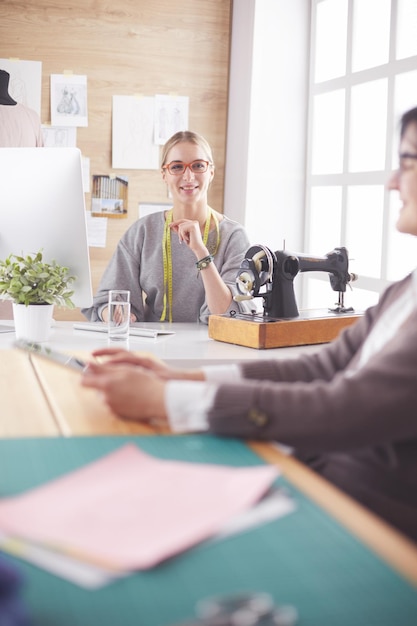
[[179, 265]]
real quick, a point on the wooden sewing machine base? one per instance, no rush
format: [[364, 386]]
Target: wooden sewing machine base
[[311, 327]]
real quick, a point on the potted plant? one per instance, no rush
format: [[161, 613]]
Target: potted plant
[[34, 286]]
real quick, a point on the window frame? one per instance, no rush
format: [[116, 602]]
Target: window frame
[[346, 179]]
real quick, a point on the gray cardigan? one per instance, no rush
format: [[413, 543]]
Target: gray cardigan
[[359, 430], [137, 265]]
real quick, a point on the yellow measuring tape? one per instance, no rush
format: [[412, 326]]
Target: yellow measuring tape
[[167, 257]]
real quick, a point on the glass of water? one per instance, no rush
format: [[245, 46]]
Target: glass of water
[[119, 314]]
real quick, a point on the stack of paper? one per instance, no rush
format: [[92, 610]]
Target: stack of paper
[[129, 511]]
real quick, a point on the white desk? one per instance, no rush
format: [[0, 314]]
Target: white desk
[[188, 346]]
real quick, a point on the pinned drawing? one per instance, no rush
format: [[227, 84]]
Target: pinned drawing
[[171, 115], [69, 100], [59, 136], [133, 127]]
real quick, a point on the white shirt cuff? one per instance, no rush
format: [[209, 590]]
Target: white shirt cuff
[[222, 373], [187, 404]]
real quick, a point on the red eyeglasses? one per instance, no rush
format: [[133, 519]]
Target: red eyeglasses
[[177, 168]]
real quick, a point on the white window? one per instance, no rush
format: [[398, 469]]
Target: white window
[[363, 77]]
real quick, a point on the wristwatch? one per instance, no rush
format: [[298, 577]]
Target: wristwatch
[[203, 263]]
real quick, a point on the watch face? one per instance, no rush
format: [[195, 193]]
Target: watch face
[[203, 263]]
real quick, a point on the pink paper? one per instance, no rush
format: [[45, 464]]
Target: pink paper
[[130, 510]]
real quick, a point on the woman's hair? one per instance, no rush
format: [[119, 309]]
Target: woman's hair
[[409, 117], [186, 136]]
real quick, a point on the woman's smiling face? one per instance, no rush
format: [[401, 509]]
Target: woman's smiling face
[[188, 186]]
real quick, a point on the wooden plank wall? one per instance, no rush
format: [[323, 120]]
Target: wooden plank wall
[[128, 47]]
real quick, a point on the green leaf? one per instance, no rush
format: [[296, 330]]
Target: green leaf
[[31, 280]]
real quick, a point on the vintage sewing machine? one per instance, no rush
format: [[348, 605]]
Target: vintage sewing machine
[[270, 276], [275, 272]]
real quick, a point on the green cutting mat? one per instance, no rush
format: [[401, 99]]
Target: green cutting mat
[[305, 559]]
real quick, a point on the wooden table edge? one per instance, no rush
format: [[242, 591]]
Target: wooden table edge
[[388, 543]]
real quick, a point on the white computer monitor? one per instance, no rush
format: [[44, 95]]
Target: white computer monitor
[[42, 207]]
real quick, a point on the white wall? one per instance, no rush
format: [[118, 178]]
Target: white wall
[[267, 120]]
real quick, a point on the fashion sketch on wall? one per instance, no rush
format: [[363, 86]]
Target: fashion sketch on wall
[[69, 100]]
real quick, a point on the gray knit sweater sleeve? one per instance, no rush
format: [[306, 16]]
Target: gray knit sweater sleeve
[[137, 265]]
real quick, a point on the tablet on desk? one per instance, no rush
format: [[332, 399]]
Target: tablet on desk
[[67, 360], [134, 331]]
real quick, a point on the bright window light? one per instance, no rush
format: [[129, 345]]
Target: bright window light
[[331, 39], [405, 94], [328, 132], [367, 54], [406, 28], [325, 216], [368, 113], [364, 228]]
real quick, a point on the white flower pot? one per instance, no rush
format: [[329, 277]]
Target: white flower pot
[[33, 322]]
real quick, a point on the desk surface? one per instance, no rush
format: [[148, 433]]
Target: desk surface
[[42, 399], [72, 410], [25, 411], [305, 559], [189, 344]]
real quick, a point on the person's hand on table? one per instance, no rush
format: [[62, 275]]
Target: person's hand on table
[[131, 391], [117, 356]]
